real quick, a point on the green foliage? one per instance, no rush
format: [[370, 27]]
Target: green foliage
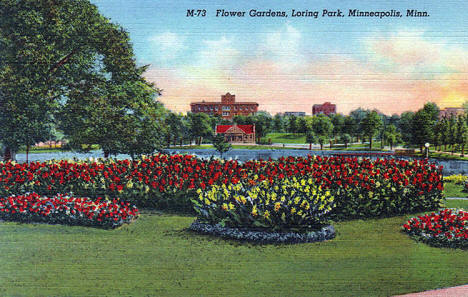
[[322, 126], [64, 60], [200, 126], [371, 124], [220, 144], [288, 204]]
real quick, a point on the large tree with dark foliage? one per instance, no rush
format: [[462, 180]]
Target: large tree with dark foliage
[[57, 55]]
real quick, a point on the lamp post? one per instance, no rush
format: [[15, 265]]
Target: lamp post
[[427, 149]]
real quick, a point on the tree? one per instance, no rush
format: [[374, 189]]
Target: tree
[[422, 128], [220, 144], [310, 138], [358, 115], [278, 125], [406, 126], [371, 124], [338, 121], [350, 126], [199, 126], [50, 49], [175, 125], [301, 125], [120, 118], [462, 133], [292, 124], [391, 135], [322, 127], [345, 138]]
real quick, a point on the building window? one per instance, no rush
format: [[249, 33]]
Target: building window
[[216, 108], [235, 107], [240, 108], [226, 108], [225, 113], [211, 107]]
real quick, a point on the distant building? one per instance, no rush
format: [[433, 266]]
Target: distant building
[[237, 133], [451, 111], [227, 108], [294, 113], [326, 108]]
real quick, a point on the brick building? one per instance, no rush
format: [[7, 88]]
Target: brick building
[[237, 133], [326, 108], [227, 108], [451, 111]]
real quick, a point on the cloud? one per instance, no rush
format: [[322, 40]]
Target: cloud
[[166, 45], [396, 72], [283, 47]]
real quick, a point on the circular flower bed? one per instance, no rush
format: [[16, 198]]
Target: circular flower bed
[[325, 233], [62, 209], [287, 210], [447, 228]]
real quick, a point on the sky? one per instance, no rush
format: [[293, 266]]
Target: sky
[[392, 64]]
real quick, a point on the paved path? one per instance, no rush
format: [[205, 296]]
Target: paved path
[[456, 198], [460, 291]]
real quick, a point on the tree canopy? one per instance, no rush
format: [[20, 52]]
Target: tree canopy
[[57, 57]]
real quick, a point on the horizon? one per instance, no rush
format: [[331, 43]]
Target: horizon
[[289, 64]]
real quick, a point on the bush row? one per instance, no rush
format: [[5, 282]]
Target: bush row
[[360, 187], [62, 209]]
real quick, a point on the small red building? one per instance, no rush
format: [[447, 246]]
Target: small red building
[[327, 108], [237, 133], [227, 108]]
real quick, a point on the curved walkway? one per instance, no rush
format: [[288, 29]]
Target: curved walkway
[[459, 291]]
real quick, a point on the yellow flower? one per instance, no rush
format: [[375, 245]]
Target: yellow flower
[[243, 199], [266, 214], [254, 211], [293, 210], [207, 202], [231, 206], [277, 206], [224, 206]]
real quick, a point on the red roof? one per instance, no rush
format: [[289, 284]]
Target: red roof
[[248, 129]]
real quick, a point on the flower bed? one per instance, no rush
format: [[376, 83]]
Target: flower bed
[[289, 210], [446, 228], [62, 209], [290, 204], [361, 187]]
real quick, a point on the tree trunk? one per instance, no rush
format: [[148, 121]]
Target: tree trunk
[[27, 154], [310, 146], [462, 150], [370, 143], [346, 144], [391, 146], [9, 154], [421, 148], [321, 146], [331, 144], [106, 154]]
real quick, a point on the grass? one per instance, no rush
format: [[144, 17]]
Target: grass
[[156, 255], [285, 138], [453, 190]]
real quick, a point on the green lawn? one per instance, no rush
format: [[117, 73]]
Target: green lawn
[[453, 190], [285, 138], [157, 256]]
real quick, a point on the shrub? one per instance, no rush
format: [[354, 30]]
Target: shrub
[[288, 204], [62, 209], [361, 187], [458, 179], [446, 228]]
